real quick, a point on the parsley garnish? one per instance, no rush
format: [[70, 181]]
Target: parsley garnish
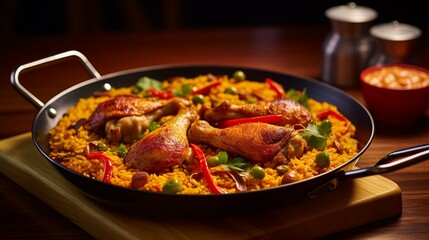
[[237, 164], [121, 150], [145, 83], [152, 126], [317, 135], [183, 91], [300, 97]]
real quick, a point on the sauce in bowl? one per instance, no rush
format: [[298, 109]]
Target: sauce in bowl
[[396, 94], [397, 77]]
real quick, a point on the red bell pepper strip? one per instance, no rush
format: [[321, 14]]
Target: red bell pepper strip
[[108, 168], [159, 94], [329, 112], [275, 87], [263, 119], [206, 89], [205, 169]]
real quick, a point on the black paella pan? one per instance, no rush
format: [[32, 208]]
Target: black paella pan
[[161, 204]]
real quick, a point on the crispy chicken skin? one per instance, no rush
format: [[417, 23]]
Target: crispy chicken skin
[[293, 113], [165, 147], [121, 106], [258, 142]]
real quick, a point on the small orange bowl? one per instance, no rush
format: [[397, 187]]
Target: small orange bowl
[[396, 93]]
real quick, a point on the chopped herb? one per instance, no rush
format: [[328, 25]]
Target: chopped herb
[[140, 136], [300, 97], [317, 135], [145, 83], [237, 164], [223, 157], [121, 150], [183, 91], [152, 126]]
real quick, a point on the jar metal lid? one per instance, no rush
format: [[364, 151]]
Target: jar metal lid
[[351, 13], [395, 31]]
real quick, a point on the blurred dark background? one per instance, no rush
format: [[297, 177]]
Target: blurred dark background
[[78, 17]]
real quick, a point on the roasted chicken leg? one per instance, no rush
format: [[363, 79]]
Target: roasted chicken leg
[[121, 106], [258, 142], [165, 147], [128, 128]]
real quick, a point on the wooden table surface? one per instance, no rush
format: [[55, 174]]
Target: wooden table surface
[[295, 50]]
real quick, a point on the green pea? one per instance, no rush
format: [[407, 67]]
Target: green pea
[[323, 159], [231, 90], [198, 98], [257, 172], [251, 100], [223, 157], [172, 186], [282, 169], [102, 146], [239, 75], [213, 161]]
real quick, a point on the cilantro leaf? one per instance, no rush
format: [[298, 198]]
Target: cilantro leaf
[[317, 135], [121, 150], [145, 83], [183, 91], [325, 128], [237, 164], [300, 97]]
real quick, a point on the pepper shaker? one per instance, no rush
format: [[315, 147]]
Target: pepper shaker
[[395, 43], [348, 48]]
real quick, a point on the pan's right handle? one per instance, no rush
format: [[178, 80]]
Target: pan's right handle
[[27, 94], [393, 161]]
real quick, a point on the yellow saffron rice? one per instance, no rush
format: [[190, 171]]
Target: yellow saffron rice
[[68, 144]]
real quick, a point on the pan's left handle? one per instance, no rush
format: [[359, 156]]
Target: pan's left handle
[[61, 56]]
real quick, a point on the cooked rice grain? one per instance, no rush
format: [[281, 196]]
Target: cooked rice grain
[[68, 144]]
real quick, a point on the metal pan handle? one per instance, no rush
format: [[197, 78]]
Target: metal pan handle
[[391, 162], [61, 56]]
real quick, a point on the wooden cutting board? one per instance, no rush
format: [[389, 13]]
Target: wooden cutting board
[[353, 203]]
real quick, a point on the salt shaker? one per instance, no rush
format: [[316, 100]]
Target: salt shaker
[[349, 46], [395, 43]]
